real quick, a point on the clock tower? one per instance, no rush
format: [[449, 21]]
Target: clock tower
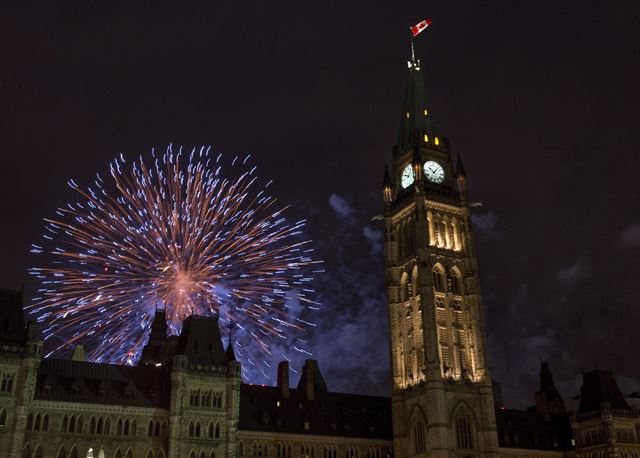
[[442, 397]]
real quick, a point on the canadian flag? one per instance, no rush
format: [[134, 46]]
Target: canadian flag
[[420, 26]]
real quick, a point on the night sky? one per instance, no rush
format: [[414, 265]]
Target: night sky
[[541, 99]]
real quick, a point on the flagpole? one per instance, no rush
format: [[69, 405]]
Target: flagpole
[[413, 54]]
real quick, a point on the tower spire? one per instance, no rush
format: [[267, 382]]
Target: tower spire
[[230, 354], [417, 123]]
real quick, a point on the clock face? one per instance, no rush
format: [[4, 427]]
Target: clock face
[[407, 177], [433, 172]]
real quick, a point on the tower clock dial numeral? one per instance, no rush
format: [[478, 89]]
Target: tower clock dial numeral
[[407, 177], [433, 172]]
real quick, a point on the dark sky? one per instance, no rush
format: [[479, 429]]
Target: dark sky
[[540, 98]]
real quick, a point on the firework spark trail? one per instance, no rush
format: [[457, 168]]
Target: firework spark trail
[[180, 236]]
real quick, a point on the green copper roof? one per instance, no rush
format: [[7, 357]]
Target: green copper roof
[[416, 112]]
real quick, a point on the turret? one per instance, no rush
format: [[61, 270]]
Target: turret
[[461, 181], [548, 399], [387, 186]]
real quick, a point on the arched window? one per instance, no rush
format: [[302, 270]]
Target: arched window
[[3, 417], [107, 426], [191, 429], [455, 282], [36, 423], [197, 432], [118, 454], [74, 453], [101, 453], [38, 453], [192, 455], [129, 454], [150, 429], [464, 434], [157, 429], [79, 424], [160, 454], [26, 451], [62, 453], [133, 427], [72, 424], [210, 430], [419, 443], [65, 424], [212, 454], [119, 428], [99, 427], [149, 454], [202, 454], [45, 422], [126, 428], [216, 431], [438, 279], [92, 427]]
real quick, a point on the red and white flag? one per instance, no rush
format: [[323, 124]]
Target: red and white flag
[[420, 26]]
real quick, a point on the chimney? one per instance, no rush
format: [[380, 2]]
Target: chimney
[[283, 379], [309, 371]]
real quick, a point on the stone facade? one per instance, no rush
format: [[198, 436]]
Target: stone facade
[[442, 389]]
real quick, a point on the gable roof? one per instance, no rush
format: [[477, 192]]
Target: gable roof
[[600, 387], [95, 383]]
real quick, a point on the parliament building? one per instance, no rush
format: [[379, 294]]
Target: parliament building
[[186, 398]]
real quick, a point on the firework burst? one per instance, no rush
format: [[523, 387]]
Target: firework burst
[[177, 235]]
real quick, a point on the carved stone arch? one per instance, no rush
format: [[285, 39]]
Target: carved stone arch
[[160, 454], [438, 272], [149, 454], [62, 452], [463, 423], [38, 451], [431, 229], [74, 452], [192, 454], [446, 232], [437, 230], [26, 451], [418, 430], [414, 278], [404, 287], [118, 453], [455, 281]]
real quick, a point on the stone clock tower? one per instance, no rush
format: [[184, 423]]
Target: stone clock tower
[[442, 398]]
